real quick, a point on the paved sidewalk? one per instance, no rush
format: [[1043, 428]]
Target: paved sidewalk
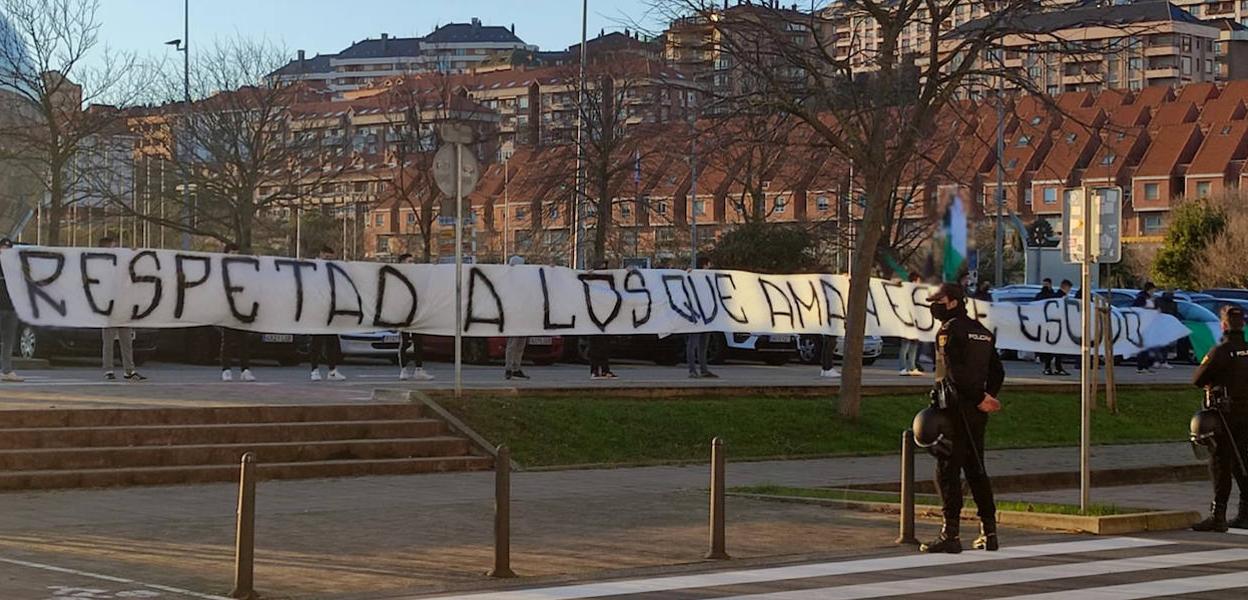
[[322, 538], [183, 385]]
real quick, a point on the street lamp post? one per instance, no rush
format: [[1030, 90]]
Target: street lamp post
[[183, 46]]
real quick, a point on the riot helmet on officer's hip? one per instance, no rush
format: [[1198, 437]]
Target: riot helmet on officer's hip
[[932, 430]]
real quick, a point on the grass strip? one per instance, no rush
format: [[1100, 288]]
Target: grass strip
[[563, 430]]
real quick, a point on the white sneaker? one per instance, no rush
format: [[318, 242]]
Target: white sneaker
[[316, 375], [226, 375], [247, 376], [1167, 366], [830, 373], [404, 374], [419, 374], [11, 377], [905, 373], [334, 375]]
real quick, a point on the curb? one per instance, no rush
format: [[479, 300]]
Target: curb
[[1162, 520], [766, 391]]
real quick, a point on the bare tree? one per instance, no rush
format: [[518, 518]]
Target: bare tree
[[236, 149], [873, 102], [749, 149], [52, 66]]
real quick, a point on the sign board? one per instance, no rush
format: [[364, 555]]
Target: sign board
[[444, 170], [1105, 223]]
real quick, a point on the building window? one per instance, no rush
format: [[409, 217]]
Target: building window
[[1023, 141], [1152, 191], [380, 220], [781, 204], [1050, 195], [626, 210], [661, 208], [520, 213], [699, 207], [822, 204], [1209, 66], [1109, 159], [1151, 224], [1027, 195], [1202, 189], [1185, 64], [411, 218]]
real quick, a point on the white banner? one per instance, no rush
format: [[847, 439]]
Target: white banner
[[79, 287]]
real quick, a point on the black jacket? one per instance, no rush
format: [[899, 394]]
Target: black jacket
[[969, 359], [1226, 365], [1047, 293], [6, 303], [1142, 300]]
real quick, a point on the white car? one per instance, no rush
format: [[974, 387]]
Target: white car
[[379, 344], [810, 348]]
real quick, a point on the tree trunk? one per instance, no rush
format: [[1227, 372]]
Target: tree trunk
[[604, 223], [56, 207], [859, 286]]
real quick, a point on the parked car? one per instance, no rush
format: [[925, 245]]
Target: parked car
[[773, 349], [542, 350], [810, 349], [1215, 304], [202, 345], [49, 342], [1234, 293]]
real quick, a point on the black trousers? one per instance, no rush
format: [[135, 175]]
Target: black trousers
[[827, 358], [235, 343], [325, 348], [599, 354], [1052, 362], [417, 344], [1223, 466], [966, 458]]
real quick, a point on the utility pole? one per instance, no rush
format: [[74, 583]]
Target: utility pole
[[184, 46], [578, 221], [999, 263]]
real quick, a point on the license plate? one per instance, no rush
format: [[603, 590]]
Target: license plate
[[541, 341], [391, 339], [782, 339], [277, 338]]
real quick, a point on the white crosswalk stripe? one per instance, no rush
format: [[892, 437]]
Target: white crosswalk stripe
[[873, 565], [1150, 589], [1006, 577]]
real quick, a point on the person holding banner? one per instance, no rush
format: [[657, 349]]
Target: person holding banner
[[326, 346], [1224, 375], [411, 366], [513, 356], [908, 357], [600, 348], [1144, 360], [235, 344], [969, 375], [125, 341], [8, 326], [696, 344]]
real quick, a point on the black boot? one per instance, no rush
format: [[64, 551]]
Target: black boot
[[987, 539], [1241, 518], [1215, 522], [947, 543]]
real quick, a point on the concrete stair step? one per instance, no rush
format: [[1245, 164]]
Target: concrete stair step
[[39, 480], [119, 417], [216, 433], [229, 454]]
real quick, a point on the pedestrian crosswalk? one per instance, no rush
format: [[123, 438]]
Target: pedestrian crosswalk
[[1095, 569]]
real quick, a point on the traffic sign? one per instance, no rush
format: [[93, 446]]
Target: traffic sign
[[1105, 223], [444, 170]]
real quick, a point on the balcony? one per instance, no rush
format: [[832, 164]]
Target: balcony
[[1161, 73], [1166, 49]]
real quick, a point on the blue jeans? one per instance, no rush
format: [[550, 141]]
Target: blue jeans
[[908, 358], [695, 352], [8, 340]]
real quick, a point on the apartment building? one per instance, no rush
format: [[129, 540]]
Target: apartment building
[[454, 48]]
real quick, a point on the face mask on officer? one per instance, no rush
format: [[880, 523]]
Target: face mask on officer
[[948, 293]]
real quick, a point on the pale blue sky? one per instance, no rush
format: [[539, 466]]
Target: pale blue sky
[[327, 26]]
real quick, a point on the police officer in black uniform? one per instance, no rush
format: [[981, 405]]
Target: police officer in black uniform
[[1224, 375], [969, 370]]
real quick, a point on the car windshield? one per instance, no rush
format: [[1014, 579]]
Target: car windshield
[[1194, 312]]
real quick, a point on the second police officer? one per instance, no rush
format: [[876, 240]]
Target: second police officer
[[1223, 425], [970, 373]]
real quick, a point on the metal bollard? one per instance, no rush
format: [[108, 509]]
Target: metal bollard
[[245, 540], [907, 489], [718, 459], [502, 514]]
